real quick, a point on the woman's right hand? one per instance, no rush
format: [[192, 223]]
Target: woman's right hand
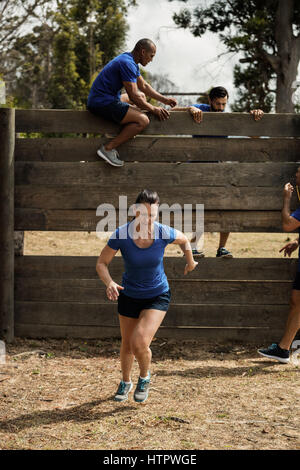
[[190, 267], [112, 290]]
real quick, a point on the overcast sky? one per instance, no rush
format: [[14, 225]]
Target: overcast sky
[[191, 63]]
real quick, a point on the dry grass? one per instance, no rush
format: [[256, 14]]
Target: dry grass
[[203, 396]]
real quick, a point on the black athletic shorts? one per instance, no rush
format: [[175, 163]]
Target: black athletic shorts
[[296, 284], [130, 307], [114, 111]]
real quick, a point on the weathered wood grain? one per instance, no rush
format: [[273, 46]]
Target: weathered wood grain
[[85, 197], [86, 220], [84, 267], [7, 143], [178, 315], [162, 149], [179, 123], [183, 291], [251, 335], [99, 175]]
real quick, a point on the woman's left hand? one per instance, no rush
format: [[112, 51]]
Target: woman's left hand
[[190, 267]]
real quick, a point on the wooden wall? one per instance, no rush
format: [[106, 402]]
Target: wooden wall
[[59, 183]]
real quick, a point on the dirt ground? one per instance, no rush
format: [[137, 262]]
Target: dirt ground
[[57, 394]]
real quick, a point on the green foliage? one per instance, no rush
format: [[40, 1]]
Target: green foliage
[[57, 61], [252, 93], [247, 27]]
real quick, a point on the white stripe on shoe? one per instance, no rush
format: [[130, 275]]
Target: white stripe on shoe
[[105, 157]]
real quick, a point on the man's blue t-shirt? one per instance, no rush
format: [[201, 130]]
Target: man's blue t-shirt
[[144, 275], [296, 215], [203, 107], [107, 86]]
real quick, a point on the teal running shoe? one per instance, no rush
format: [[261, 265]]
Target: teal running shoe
[[142, 389], [123, 391]]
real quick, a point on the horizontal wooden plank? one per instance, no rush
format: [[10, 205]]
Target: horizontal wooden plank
[[82, 197], [84, 267], [251, 335], [163, 149], [86, 220], [72, 314], [183, 291], [236, 124], [98, 175]]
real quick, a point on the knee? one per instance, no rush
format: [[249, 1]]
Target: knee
[[142, 95], [138, 345], [143, 121]]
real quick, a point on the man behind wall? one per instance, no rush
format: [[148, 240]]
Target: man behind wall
[[290, 222], [218, 99]]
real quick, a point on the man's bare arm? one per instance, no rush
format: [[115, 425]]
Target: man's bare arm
[[135, 96], [149, 91]]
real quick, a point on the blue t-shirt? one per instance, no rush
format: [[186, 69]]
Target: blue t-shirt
[[296, 215], [144, 275], [107, 86], [202, 106]]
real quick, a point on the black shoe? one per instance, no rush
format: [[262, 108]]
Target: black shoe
[[223, 253], [275, 352], [197, 254]]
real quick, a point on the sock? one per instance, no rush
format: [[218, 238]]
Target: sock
[[127, 383], [146, 378]]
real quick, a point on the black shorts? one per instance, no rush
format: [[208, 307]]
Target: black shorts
[[130, 307], [114, 111], [296, 284]]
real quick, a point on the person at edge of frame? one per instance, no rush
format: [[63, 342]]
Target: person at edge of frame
[[218, 99], [290, 222]]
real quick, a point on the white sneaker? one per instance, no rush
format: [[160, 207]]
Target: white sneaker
[[110, 156]]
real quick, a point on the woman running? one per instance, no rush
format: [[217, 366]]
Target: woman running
[[144, 297]]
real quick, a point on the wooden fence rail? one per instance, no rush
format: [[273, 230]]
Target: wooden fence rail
[[62, 296]]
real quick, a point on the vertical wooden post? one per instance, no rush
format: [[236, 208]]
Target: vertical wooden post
[[7, 144]]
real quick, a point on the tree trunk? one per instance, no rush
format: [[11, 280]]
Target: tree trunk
[[288, 54]]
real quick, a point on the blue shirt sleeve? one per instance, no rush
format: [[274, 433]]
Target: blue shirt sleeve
[[296, 214], [129, 71], [168, 234], [114, 241]]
